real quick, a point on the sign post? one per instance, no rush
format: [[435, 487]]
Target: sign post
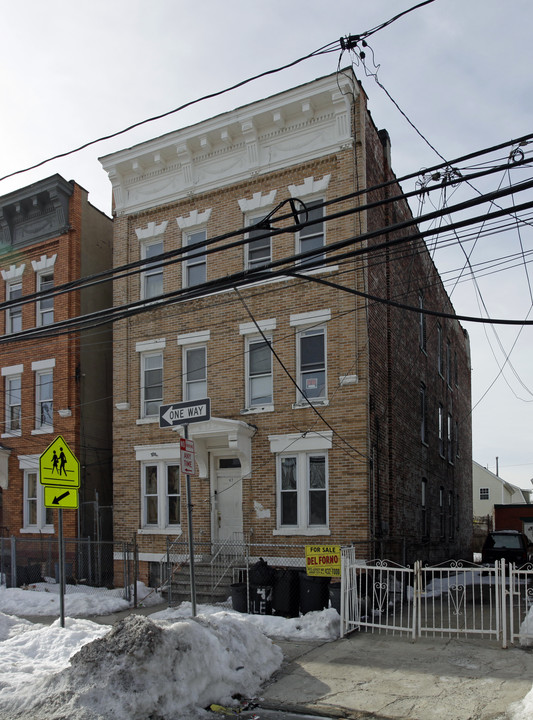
[[59, 473], [173, 415]]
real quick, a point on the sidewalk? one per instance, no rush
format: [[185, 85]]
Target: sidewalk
[[381, 676]]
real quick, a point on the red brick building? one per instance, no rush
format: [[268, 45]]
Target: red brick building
[[53, 383], [356, 428]]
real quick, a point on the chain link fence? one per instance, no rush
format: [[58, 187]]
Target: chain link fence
[[94, 564]]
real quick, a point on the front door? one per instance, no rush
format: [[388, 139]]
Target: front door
[[228, 499]]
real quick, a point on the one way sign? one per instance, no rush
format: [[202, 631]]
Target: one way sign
[[184, 413]]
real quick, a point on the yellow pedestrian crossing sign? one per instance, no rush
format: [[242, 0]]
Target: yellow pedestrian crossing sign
[[59, 466], [60, 497]]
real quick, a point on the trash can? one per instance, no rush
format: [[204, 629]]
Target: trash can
[[285, 595], [313, 592], [261, 599], [335, 596], [239, 600]]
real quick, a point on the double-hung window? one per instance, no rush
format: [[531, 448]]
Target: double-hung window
[[161, 496], [311, 359], [259, 373], [35, 517], [44, 399], [152, 275], [422, 330], [258, 247], [302, 491], [195, 373], [442, 440], [151, 383], [13, 390], [423, 414], [311, 237], [14, 312], [45, 305], [195, 266]]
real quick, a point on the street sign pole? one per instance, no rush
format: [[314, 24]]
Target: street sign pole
[[61, 569], [191, 539]]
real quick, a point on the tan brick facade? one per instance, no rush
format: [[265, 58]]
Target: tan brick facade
[[367, 431]]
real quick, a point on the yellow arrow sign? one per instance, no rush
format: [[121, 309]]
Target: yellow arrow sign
[[60, 497], [59, 466]]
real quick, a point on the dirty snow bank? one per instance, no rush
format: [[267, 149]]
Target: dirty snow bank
[[167, 670]]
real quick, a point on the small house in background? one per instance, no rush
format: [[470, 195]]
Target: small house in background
[[490, 491]]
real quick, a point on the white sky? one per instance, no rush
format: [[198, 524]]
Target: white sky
[[460, 70]]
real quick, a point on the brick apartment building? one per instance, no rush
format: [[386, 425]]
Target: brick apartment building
[[55, 383], [358, 428]]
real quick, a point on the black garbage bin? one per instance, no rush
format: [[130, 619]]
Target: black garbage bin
[[285, 594], [239, 599], [261, 599], [313, 592]]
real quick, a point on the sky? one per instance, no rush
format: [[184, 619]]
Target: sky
[[168, 665], [458, 69]]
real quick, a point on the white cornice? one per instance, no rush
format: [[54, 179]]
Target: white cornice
[[293, 127]]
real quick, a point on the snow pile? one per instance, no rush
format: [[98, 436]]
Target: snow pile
[[141, 669], [318, 625], [80, 600]]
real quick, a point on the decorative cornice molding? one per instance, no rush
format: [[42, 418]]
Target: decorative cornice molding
[[290, 128]]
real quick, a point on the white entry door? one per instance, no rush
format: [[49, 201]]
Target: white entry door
[[228, 499]]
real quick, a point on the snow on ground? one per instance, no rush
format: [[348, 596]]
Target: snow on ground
[[168, 666]]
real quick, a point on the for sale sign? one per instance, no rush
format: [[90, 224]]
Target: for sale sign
[[323, 560]]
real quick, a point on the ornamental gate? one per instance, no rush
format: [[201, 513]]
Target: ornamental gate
[[457, 598]]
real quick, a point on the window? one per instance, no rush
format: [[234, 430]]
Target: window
[[312, 364], [423, 413], [195, 373], [448, 364], [440, 359], [302, 491], [151, 383], [421, 323], [484, 493], [311, 237], [45, 306], [258, 373], [14, 313], [44, 399], [450, 439], [161, 497], [441, 430], [442, 517], [152, 277], [258, 248], [36, 516], [423, 509], [450, 515], [13, 404], [195, 266]]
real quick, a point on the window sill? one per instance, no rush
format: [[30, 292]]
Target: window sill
[[170, 530], [315, 271], [37, 531], [258, 409], [315, 403], [43, 431], [311, 532], [147, 421], [12, 433]]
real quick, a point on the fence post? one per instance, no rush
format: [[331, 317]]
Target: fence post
[[503, 614], [417, 605], [13, 562], [135, 570], [125, 556]]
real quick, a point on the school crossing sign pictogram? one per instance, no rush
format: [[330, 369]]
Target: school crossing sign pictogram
[[59, 472]]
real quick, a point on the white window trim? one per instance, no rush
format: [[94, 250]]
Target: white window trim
[[150, 345], [45, 263], [251, 220], [38, 309], [258, 201], [193, 223], [146, 270], [143, 419], [30, 463], [12, 370], [8, 432], [171, 457], [309, 187], [43, 364], [302, 489], [301, 400], [8, 316], [42, 367], [263, 325], [310, 318], [194, 338], [265, 407], [191, 262], [186, 348]]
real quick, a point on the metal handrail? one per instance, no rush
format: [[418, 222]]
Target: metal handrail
[[226, 556]]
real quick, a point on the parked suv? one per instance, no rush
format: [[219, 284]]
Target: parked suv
[[511, 545]]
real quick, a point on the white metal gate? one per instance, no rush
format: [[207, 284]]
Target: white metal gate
[[457, 598]]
